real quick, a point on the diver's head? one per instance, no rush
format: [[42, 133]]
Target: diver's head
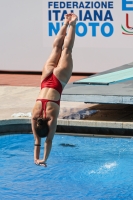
[[41, 127]]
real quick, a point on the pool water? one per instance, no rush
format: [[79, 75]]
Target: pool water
[[82, 168]]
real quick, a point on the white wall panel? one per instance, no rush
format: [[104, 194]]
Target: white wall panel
[[25, 42]]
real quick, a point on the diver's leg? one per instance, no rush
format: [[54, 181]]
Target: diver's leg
[[65, 65], [54, 57]]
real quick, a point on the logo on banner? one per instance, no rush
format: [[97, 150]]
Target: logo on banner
[[127, 6], [94, 17]]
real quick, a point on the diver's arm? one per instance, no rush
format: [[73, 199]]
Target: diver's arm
[[48, 143], [36, 152], [37, 143]]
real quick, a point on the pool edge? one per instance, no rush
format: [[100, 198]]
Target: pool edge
[[72, 127]]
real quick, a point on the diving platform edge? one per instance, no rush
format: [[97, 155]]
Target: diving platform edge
[[118, 93]]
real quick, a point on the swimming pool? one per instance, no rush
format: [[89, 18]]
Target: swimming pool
[[78, 168]]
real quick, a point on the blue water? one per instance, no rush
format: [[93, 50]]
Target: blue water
[[79, 168]]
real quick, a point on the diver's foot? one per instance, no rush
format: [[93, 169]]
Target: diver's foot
[[67, 19], [73, 19]]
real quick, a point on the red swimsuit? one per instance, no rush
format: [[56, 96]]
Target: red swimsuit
[[50, 82]]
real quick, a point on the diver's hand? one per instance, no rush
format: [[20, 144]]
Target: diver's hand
[[40, 163]]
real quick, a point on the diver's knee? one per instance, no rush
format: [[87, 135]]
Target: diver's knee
[[67, 49]]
